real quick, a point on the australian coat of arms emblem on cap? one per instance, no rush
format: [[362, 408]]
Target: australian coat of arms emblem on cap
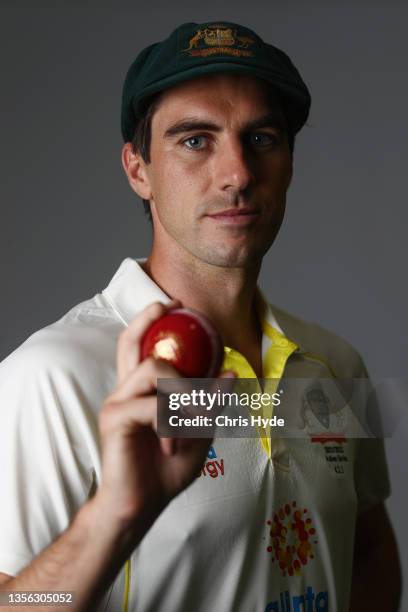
[[219, 39]]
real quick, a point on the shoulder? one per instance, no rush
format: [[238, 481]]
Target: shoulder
[[77, 347], [342, 356]]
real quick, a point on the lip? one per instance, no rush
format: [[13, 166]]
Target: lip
[[236, 216], [233, 212]]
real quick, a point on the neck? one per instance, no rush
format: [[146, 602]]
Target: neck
[[226, 295]]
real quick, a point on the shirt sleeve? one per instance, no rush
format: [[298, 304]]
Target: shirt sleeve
[[372, 480], [371, 474], [45, 469]]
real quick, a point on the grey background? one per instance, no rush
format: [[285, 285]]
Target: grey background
[[68, 217]]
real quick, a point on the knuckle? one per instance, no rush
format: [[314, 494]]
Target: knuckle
[[149, 365], [110, 409], [156, 366], [160, 368], [107, 415], [165, 369], [155, 309], [114, 415]]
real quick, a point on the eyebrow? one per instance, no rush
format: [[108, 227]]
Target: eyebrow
[[273, 120], [190, 124]]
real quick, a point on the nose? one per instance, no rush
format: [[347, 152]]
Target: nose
[[233, 169]]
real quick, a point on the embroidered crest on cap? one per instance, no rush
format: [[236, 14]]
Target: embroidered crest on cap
[[219, 40]]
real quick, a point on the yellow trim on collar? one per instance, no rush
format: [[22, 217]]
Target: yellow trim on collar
[[273, 365], [128, 570]]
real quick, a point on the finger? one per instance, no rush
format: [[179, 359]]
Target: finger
[[128, 351], [143, 380], [228, 374], [199, 393], [128, 416], [168, 446]]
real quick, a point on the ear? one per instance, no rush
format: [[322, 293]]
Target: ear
[[135, 169]]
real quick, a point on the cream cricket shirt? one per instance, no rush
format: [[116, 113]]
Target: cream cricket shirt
[[267, 527]]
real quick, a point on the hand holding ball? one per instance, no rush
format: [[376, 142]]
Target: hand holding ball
[[188, 340]]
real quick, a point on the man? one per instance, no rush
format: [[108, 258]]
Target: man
[[119, 516]]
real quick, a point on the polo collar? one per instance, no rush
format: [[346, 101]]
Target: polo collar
[[131, 290]]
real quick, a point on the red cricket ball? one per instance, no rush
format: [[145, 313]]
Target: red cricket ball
[[188, 340]]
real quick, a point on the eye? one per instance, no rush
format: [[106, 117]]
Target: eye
[[195, 143], [263, 140]]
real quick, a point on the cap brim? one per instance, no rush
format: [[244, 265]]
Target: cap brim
[[292, 97]]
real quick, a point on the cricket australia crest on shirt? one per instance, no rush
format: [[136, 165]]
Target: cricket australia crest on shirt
[[219, 39]]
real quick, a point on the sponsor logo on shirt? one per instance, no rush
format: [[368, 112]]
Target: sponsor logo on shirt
[[292, 539], [214, 466], [310, 602]]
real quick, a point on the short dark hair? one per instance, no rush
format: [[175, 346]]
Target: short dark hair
[[143, 134]]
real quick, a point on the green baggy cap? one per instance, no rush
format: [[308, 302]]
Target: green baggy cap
[[193, 50]]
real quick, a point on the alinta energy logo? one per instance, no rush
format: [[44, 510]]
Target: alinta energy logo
[[215, 466], [293, 538]]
